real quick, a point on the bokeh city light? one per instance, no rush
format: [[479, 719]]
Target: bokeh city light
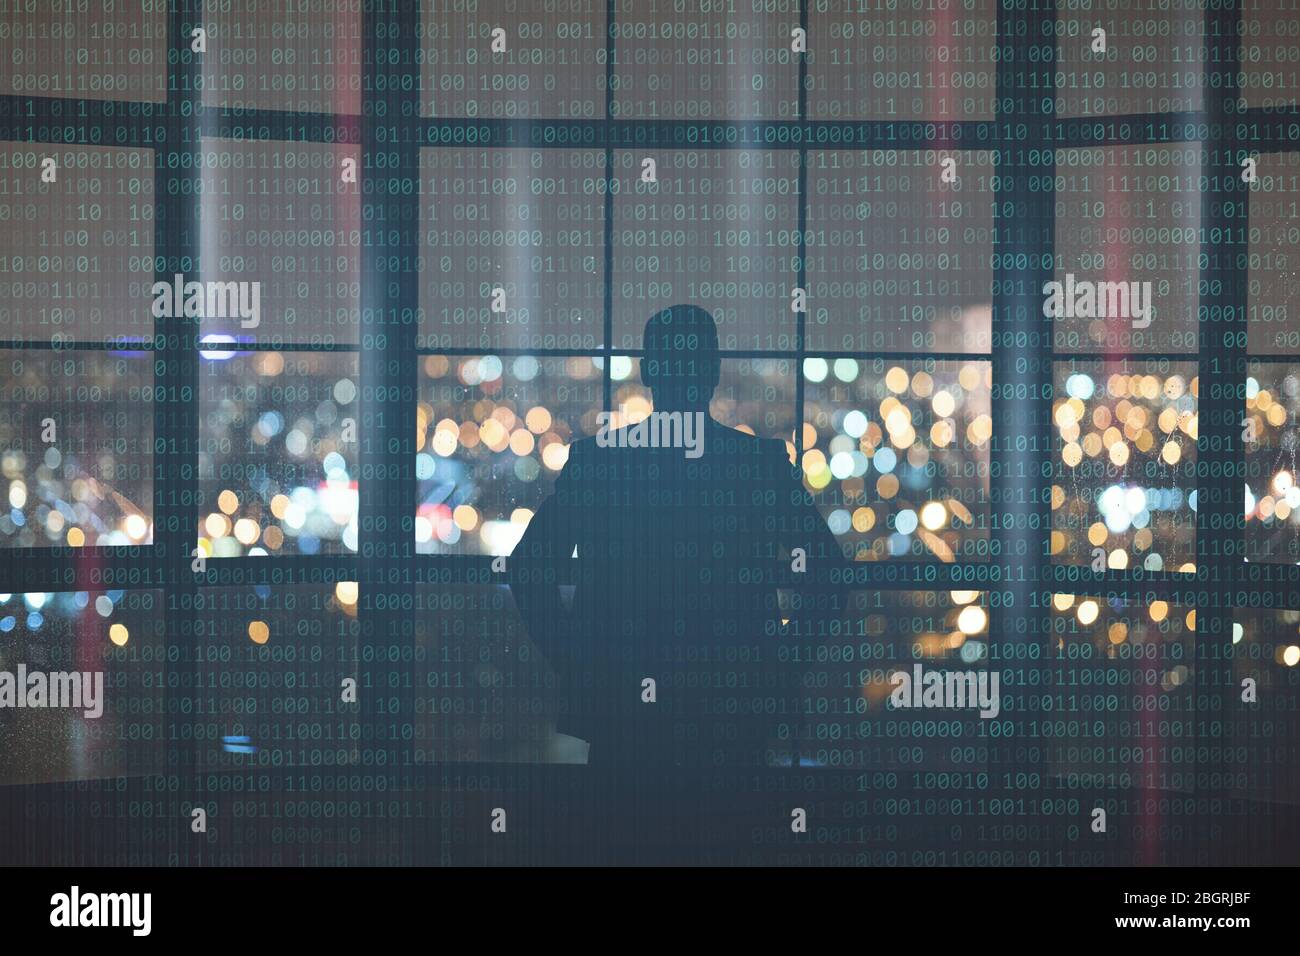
[[492, 436], [278, 452], [897, 455], [76, 454], [1271, 436], [1124, 492]]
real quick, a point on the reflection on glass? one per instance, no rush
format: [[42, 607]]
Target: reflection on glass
[[90, 51], [717, 229], [1266, 644], [277, 453], [897, 455], [1127, 248], [1273, 286], [904, 60], [77, 252], [1124, 495], [849, 679], [900, 250], [273, 670], [499, 59], [1147, 57], [512, 248], [1270, 71], [280, 215], [76, 448], [1123, 693], [120, 635], [705, 61], [1266, 652], [303, 56], [493, 434]]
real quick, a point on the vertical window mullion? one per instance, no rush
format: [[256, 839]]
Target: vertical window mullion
[[1022, 359], [176, 403], [1222, 333], [390, 278], [611, 10]]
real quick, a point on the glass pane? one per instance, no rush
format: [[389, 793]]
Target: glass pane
[[710, 60], [513, 59], [1124, 697], [1124, 495], [76, 254], [1128, 232], [278, 453], [1266, 650], [76, 448], [898, 456], [278, 219], [1272, 441], [494, 434], [1117, 58], [97, 660], [899, 259], [272, 662], [1273, 286], [303, 55], [869, 711], [90, 51], [716, 229], [909, 60], [512, 248], [470, 638], [1270, 71]]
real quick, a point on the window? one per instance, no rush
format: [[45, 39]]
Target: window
[[720, 61], [1270, 75], [77, 459], [511, 242], [899, 251], [50, 45], [272, 55], [1265, 652], [1118, 58], [869, 61], [505, 59], [274, 663], [283, 215], [79, 242], [719, 229], [116, 724], [1272, 393], [1021, 311]]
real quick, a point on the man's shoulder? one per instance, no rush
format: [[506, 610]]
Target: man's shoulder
[[582, 449], [585, 457], [735, 440]]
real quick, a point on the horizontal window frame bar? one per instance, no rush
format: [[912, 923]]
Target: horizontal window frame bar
[[616, 351], [63, 568], [84, 117]]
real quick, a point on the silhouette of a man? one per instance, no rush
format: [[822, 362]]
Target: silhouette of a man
[[673, 652]]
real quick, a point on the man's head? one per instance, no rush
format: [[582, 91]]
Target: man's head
[[681, 362]]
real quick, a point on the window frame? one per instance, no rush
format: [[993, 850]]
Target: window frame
[[391, 132]]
